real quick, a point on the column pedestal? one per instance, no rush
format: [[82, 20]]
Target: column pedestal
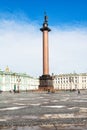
[[46, 83]]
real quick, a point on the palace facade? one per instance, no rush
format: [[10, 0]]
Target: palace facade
[[10, 81], [70, 81]]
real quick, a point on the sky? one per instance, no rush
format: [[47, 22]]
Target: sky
[[21, 39]]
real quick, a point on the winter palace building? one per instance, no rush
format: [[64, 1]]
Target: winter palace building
[[10, 81]]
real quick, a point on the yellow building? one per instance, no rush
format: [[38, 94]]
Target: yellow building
[[70, 81]]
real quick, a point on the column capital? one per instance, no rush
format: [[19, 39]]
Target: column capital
[[45, 24]]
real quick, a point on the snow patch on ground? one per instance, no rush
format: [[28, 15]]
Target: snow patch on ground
[[11, 108]]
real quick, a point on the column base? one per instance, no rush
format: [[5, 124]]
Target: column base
[[46, 83]]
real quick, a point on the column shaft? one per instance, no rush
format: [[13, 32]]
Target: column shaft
[[45, 53]]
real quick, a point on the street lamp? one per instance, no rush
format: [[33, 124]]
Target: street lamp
[[71, 81], [18, 80]]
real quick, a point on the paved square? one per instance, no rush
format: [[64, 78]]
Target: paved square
[[43, 111]]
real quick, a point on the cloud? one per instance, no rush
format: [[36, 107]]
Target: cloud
[[69, 50], [21, 48]]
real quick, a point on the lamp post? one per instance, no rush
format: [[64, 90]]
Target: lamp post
[[71, 82], [18, 80]]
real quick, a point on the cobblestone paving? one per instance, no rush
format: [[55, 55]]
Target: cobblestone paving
[[43, 111]]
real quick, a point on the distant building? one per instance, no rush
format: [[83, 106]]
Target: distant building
[[10, 81], [70, 81]]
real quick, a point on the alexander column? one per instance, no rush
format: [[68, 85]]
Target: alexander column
[[46, 81]]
